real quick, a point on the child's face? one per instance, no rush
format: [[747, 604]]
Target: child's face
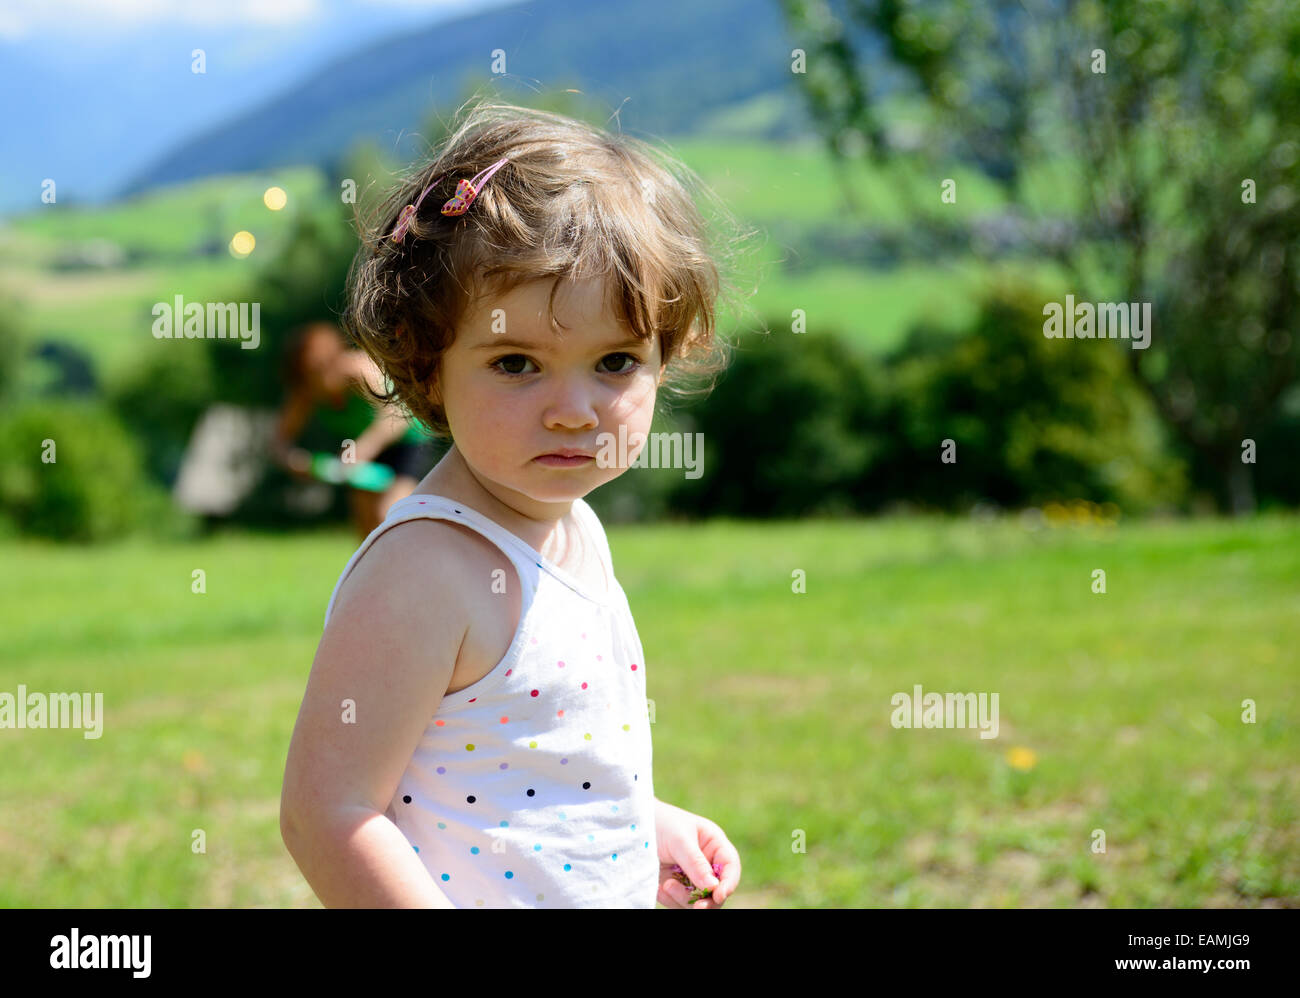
[[514, 389], [321, 370]]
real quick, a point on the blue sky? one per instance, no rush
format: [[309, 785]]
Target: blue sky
[[97, 89]]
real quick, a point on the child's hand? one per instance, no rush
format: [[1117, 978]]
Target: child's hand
[[695, 847], [697, 893], [298, 462]]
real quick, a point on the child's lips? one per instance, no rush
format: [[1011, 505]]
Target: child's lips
[[564, 461]]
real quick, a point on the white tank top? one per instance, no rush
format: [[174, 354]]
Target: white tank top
[[532, 788]]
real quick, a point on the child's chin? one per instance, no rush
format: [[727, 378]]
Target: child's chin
[[562, 494]]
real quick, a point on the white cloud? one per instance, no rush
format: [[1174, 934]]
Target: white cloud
[[20, 19]]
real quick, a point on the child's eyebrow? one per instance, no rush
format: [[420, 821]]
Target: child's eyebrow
[[501, 341]]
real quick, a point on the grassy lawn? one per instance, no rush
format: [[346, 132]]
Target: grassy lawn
[[765, 182], [167, 219], [772, 710]]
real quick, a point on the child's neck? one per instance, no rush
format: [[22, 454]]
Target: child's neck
[[541, 525]]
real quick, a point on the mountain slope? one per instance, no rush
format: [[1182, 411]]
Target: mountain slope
[[661, 67]]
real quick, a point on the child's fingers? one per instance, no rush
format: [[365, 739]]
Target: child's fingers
[[730, 875], [727, 883], [674, 894], [721, 851], [668, 897]]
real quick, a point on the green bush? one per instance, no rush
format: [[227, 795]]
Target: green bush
[[161, 400], [1276, 470], [1033, 419], [790, 429], [804, 425], [13, 346], [70, 471]]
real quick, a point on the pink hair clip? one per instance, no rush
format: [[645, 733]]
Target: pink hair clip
[[457, 204], [408, 213], [467, 190]]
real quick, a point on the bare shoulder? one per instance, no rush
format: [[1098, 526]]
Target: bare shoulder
[[422, 557], [439, 571]]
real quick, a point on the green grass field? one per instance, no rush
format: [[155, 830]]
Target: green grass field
[[772, 710]]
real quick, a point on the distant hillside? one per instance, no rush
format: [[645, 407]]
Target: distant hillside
[[683, 67], [95, 100]]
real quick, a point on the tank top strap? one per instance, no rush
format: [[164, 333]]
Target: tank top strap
[[432, 507], [597, 532]]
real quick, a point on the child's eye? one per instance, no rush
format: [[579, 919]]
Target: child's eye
[[627, 370], [515, 359]]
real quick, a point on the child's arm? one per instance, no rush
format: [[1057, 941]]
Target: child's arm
[[390, 648], [388, 428], [362, 860], [293, 417], [389, 425]]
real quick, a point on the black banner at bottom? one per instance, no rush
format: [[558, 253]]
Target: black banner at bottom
[[1223, 948]]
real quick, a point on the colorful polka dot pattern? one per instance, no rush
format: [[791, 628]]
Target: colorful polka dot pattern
[[528, 792]]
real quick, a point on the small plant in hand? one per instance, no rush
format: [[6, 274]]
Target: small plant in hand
[[697, 893]]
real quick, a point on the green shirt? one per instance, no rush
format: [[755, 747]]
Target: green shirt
[[349, 421]]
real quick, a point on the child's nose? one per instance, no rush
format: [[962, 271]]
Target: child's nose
[[572, 403]]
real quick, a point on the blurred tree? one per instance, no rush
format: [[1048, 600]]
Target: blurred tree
[[304, 283], [159, 398], [1032, 419], [1179, 124], [791, 429], [13, 345]]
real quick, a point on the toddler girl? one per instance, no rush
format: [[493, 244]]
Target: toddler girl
[[475, 729]]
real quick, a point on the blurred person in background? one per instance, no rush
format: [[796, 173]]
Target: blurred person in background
[[325, 379]]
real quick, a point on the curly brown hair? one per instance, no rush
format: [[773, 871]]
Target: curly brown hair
[[572, 201]]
